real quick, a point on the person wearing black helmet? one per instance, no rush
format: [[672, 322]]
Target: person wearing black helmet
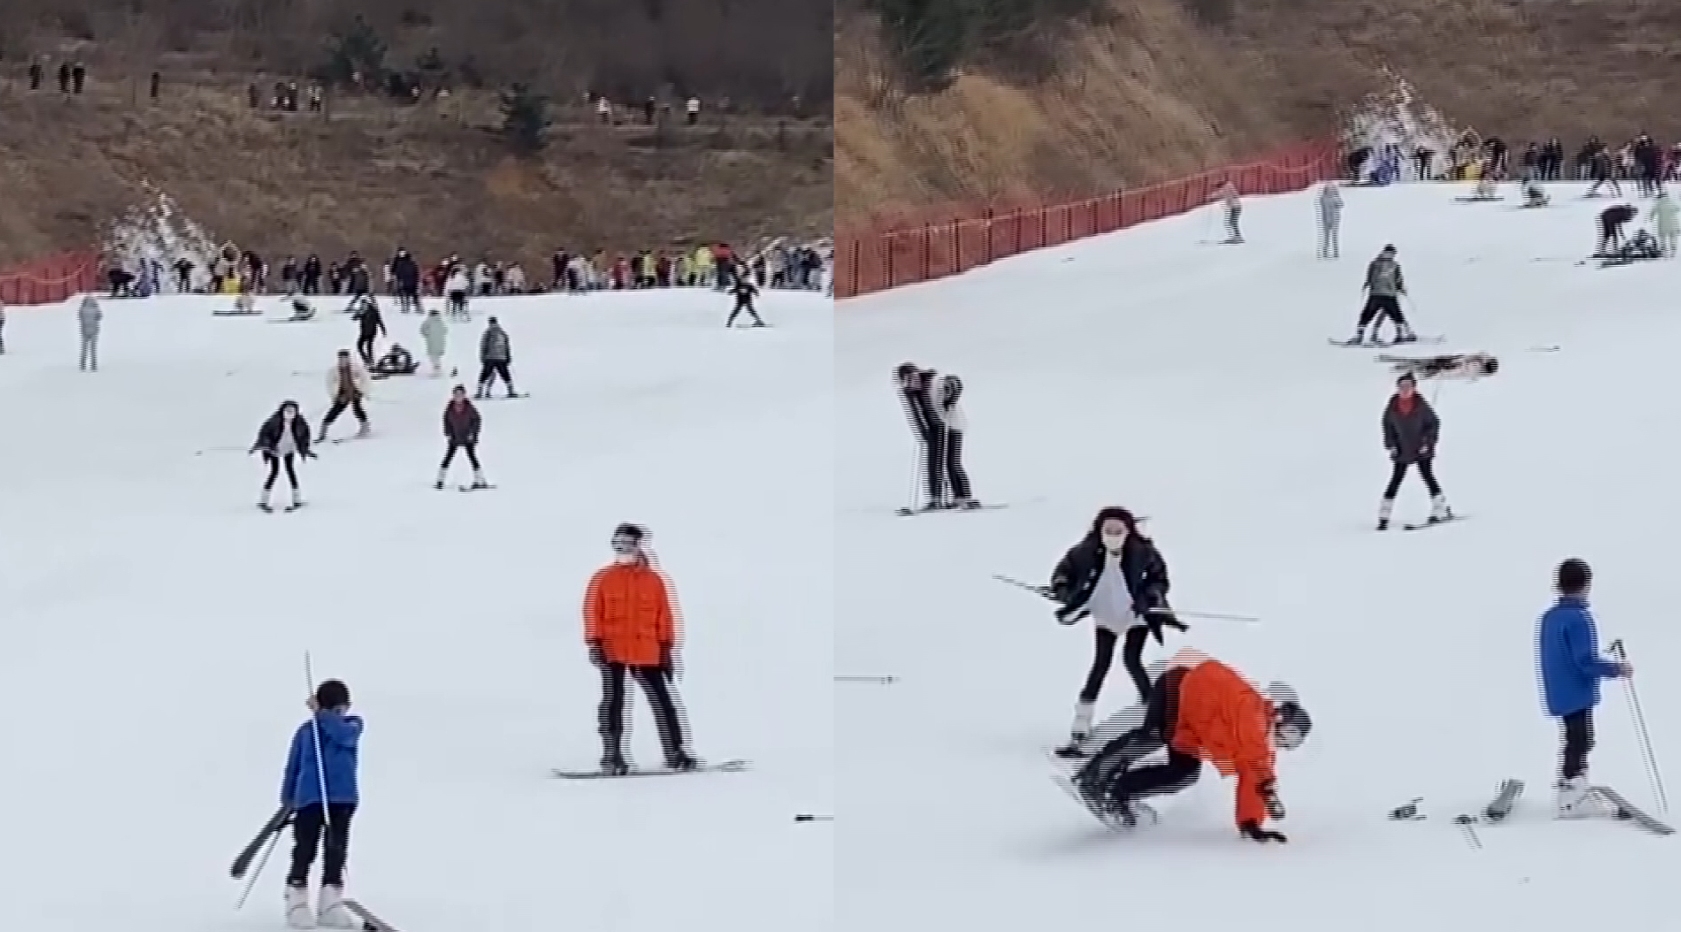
[[1410, 432], [1116, 576], [1383, 287], [916, 393]]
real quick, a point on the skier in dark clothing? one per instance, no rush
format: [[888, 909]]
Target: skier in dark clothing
[[1115, 575], [916, 393], [396, 361], [370, 326], [496, 352], [1384, 286], [461, 432], [1410, 432], [952, 425], [744, 291], [1611, 223], [310, 278], [358, 283], [320, 787], [282, 439], [405, 278]]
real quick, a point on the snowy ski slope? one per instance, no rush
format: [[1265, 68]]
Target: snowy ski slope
[[155, 621], [1193, 382]]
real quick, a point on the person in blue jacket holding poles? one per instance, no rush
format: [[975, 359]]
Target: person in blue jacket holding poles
[[1567, 651], [320, 788]]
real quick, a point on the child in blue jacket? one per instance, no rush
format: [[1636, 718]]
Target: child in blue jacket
[[322, 794], [1567, 652]]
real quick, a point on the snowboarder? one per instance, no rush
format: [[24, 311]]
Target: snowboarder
[[496, 351], [952, 424], [396, 361], [631, 628], [1611, 222], [369, 326], [1200, 710], [916, 394], [1666, 217], [461, 431], [1231, 210], [347, 386], [1467, 367], [320, 787], [1117, 576], [1384, 286], [282, 439], [1330, 220], [456, 287], [89, 317], [1567, 651], [744, 290], [1410, 432], [436, 334]]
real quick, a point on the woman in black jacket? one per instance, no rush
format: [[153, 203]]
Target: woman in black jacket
[[1117, 576], [916, 393], [282, 439]]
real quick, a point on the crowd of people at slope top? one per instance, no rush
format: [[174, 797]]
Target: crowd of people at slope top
[[1640, 159]]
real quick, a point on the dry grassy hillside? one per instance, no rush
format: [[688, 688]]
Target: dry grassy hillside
[[1157, 91]]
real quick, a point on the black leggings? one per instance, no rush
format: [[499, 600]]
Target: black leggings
[[1399, 472], [933, 464], [1578, 741], [1379, 306], [365, 348], [468, 448], [951, 464], [354, 403], [490, 370], [1111, 770], [308, 827], [274, 464], [1132, 657], [612, 709]]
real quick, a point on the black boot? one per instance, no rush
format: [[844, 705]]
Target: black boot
[[613, 764]]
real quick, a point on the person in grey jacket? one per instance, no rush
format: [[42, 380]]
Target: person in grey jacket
[[495, 353], [1383, 287], [1330, 219], [89, 317], [1410, 432]]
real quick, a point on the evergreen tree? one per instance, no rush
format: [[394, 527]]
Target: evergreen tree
[[525, 119]]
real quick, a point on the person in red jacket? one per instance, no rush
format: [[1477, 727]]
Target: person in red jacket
[[631, 628], [461, 431], [1200, 710]]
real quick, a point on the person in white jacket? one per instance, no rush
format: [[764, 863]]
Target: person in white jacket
[[1232, 206], [456, 289], [89, 317], [952, 426], [1330, 220], [436, 334], [347, 386], [1666, 217]]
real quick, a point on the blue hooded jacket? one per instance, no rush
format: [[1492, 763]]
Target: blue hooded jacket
[[1567, 651], [341, 736]]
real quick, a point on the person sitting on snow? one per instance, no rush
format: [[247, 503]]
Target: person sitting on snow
[[1641, 246], [396, 361], [301, 309], [1533, 194], [1465, 366]]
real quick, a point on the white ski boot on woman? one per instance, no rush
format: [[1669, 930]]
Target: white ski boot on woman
[[298, 915], [331, 913]]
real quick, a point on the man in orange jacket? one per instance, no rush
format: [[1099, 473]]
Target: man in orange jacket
[[1200, 710], [629, 627]]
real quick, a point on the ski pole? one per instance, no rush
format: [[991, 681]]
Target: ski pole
[[1217, 616], [1043, 591], [1648, 755], [813, 817], [320, 764], [859, 678], [272, 842]]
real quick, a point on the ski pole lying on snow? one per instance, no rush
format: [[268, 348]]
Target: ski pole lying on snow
[[860, 678], [1641, 734], [813, 817]]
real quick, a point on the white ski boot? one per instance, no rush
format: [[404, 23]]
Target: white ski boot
[[298, 915], [1384, 510], [1439, 510], [1577, 800], [330, 912], [1081, 729], [478, 480]]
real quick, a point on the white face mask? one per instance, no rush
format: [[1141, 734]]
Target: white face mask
[[1114, 541]]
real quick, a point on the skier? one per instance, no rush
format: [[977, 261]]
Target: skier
[[89, 317], [1666, 217], [952, 424], [370, 326], [1410, 432], [1116, 575], [1330, 220], [495, 353], [1232, 208], [1534, 195], [916, 394], [436, 334], [1611, 222], [631, 628], [1200, 710], [1567, 651], [744, 290], [1467, 367], [1383, 287], [396, 361], [320, 787], [461, 431], [347, 386], [405, 277], [456, 287], [282, 439]]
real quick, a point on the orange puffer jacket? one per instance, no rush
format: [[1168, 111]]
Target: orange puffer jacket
[[628, 612], [1228, 723]]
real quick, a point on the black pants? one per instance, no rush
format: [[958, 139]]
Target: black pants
[[1112, 771], [365, 348], [1398, 471], [308, 829], [353, 402], [458, 303], [742, 303], [612, 711], [1610, 234], [471, 449], [274, 464], [490, 370], [1132, 657], [1379, 306], [951, 464], [1578, 741], [933, 464]]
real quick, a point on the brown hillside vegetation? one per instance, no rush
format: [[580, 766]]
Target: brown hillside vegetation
[[433, 172], [1157, 89]]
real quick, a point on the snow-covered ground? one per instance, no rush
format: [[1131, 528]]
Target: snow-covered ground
[[155, 622], [1194, 383]]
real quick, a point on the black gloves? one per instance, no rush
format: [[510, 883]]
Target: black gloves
[[1155, 613], [1269, 795], [668, 667], [1254, 832]]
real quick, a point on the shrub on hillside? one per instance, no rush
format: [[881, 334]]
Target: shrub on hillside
[[933, 39]]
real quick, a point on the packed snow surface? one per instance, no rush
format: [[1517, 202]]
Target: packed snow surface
[[1193, 383], [156, 622]]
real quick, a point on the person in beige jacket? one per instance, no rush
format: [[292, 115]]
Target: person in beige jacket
[[347, 386]]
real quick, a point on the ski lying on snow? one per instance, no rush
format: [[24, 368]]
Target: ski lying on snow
[[474, 488], [1437, 523], [1629, 812], [370, 922], [728, 766], [912, 512]]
